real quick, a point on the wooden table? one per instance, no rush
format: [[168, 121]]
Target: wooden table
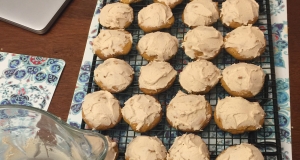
[[67, 38]]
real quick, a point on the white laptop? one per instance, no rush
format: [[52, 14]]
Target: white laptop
[[33, 15]]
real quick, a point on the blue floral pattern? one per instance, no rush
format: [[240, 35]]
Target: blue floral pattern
[[280, 43], [28, 80]]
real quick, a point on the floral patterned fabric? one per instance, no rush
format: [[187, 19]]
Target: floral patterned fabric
[[28, 80], [280, 44]]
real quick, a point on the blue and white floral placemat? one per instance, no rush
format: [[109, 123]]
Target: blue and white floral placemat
[[280, 40], [28, 80]]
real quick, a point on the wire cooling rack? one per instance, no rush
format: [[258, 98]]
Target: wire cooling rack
[[267, 139]]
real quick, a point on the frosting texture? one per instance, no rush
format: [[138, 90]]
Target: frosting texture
[[110, 42], [244, 77], [141, 109], [146, 148], [198, 75], [170, 3], [235, 112], [247, 40], [156, 75], [154, 15], [200, 13], [243, 151], [188, 112], [101, 108], [206, 41], [111, 153], [240, 11], [114, 74], [159, 44], [116, 15], [188, 146]]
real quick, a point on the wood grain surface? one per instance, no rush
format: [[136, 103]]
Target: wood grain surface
[[67, 38]]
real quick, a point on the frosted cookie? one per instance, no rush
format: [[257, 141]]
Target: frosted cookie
[[188, 146], [236, 13], [142, 112], [236, 115], [159, 46], [112, 43], [202, 42], [243, 79], [188, 113], [146, 148], [156, 77], [200, 13], [245, 43], [243, 151], [113, 75], [130, 1], [199, 77], [171, 3], [116, 16], [154, 17], [112, 151], [101, 110]]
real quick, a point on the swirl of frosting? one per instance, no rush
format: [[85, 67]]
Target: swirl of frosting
[[156, 75], [159, 44], [110, 42], [237, 112], [146, 148], [116, 15], [141, 110], [111, 153], [247, 40], [188, 146], [100, 108], [154, 15], [244, 151], [188, 112], [244, 77], [202, 42], [114, 73], [200, 13], [241, 11], [197, 76]]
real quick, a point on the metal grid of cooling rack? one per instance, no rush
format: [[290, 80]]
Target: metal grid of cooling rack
[[267, 139]]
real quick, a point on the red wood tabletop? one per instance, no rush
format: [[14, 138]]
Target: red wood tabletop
[[67, 38]]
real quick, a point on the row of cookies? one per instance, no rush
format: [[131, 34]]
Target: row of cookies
[[185, 112], [186, 146], [243, 43], [159, 15], [197, 77]]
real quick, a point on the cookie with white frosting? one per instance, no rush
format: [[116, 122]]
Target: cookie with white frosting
[[101, 110], [202, 42], [171, 3], [116, 16], [245, 42], [188, 112], [113, 75], [243, 151], [112, 43], [160, 46], [142, 112], [188, 146], [156, 77], [112, 151], [154, 17], [237, 115], [200, 13], [146, 148], [236, 13], [199, 77], [243, 79]]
